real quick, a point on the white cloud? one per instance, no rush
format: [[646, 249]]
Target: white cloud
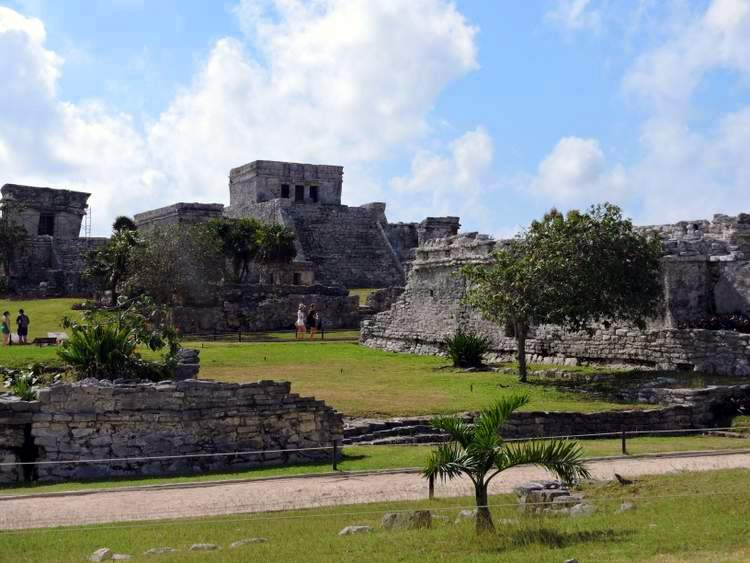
[[337, 81], [683, 172], [576, 172], [665, 78], [448, 184], [575, 15]]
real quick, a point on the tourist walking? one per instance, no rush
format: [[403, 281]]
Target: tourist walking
[[5, 328], [312, 321], [299, 325], [22, 324]]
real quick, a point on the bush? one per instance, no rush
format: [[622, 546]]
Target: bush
[[104, 351], [23, 383], [466, 349]]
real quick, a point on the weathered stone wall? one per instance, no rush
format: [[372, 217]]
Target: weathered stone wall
[[57, 264], [15, 425], [269, 307], [383, 299], [430, 309], [100, 420], [178, 214]]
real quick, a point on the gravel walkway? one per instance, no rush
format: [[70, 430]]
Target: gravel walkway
[[298, 492]]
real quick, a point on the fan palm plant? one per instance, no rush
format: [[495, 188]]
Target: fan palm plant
[[478, 451]]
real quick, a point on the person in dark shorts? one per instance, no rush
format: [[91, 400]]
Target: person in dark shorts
[[312, 321], [22, 324]]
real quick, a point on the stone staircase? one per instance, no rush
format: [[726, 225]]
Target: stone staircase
[[395, 431], [346, 245]]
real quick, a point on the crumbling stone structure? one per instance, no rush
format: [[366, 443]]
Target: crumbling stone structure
[[178, 214], [51, 258], [258, 307], [349, 246], [706, 270], [100, 420]]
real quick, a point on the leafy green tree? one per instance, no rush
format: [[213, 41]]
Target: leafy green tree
[[123, 223], [478, 451], [570, 270], [239, 242], [112, 265], [178, 264], [275, 244]]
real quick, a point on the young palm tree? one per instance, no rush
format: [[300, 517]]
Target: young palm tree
[[479, 452]]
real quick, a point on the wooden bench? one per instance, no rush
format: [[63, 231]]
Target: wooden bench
[[45, 341]]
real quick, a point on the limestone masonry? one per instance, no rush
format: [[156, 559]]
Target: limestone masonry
[[100, 420], [706, 270]]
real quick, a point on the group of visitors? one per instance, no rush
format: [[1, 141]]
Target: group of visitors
[[22, 328], [307, 320]]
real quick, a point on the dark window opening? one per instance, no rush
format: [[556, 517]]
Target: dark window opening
[[314, 193], [285, 191], [299, 193], [297, 278], [46, 224]]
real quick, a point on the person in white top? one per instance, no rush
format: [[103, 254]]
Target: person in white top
[[300, 324]]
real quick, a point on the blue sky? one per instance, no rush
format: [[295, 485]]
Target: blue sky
[[494, 111]]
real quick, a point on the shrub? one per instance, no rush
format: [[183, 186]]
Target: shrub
[[101, 350], [466, 349], [23, 383]]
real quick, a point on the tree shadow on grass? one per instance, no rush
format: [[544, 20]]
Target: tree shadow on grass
[[553, 538]]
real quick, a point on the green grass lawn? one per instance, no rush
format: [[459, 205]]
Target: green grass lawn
[[681, 517], [370, 458], [362, 293], [360, 381], [45, 314]]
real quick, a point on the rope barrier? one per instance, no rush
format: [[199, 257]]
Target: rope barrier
[[335, 446]]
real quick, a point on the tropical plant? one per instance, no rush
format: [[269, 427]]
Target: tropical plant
[[478, 451], [569, 270], [104, 351], [105, 343], [239, 242], [123, 223], [110, 266], [466, 349]]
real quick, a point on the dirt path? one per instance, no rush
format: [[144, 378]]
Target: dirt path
[[289, 493]]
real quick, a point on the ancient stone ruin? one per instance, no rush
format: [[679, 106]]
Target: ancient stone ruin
[[50, 258], [152, 428], [706, 270]]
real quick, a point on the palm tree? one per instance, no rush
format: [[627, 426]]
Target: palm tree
[[478, 451]]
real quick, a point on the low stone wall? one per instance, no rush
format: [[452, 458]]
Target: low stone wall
[[15, 426], [383, 299], [99, 420], [707, 351], [537, 424], [269, 307]]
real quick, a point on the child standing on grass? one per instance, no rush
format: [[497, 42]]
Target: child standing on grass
[[5, 328]]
